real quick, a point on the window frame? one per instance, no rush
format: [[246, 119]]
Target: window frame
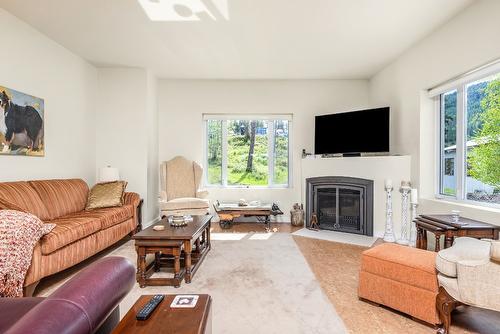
[[460, 85], [270, 118]]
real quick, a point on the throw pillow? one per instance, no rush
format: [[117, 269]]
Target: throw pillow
[[106, 195], [19, 233]]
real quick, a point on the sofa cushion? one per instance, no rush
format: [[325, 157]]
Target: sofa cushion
[[464, 248], [415, 267], [62, 197], [69, 228], [21, 196], [109, 216], [184, 203]]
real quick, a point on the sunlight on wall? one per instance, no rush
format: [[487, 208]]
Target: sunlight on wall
[[185, 10]]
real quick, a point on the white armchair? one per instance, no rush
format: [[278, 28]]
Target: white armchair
[[180, 188], [468, 273]]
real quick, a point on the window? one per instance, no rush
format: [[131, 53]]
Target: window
[[469, 150], [244, 150]]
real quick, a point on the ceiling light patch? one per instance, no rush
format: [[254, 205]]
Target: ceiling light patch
[[185, 10]]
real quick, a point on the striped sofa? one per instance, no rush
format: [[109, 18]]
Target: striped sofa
[[78, 234]]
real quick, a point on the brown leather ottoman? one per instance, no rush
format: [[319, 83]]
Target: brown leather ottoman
[[402, 278]]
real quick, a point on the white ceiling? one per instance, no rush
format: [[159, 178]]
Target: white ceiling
[[260, 39]]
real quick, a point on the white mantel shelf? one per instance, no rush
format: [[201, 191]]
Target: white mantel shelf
[[376, 168]]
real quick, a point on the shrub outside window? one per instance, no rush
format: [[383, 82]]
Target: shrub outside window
[[247, 151]]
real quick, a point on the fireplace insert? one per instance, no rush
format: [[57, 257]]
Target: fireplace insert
[[343, 204]]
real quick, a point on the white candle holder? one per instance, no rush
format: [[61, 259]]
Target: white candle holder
[[405, 191], [413, 226], [389, 228]]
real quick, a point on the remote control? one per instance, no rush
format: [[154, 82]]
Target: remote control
[[146, 311]]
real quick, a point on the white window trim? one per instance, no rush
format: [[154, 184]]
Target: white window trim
[[270, 118], [459, 84]]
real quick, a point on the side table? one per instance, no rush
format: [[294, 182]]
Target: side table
[[167, 320], [441, 225]]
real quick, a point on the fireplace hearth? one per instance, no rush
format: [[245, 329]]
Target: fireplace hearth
[[343, 204]]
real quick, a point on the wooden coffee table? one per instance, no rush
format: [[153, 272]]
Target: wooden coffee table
[[187, 245], [166, 320]]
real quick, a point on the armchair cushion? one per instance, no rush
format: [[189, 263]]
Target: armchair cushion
[[463, 249], [495, 251], [478, 283], [202, 193], [184, 203], [180, 178]]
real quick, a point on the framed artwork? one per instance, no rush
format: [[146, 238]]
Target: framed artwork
[[21, 123]]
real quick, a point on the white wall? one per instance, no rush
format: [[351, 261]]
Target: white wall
[[467, 41], [152, 209], [34, 64], [125, 131], [182, 103]]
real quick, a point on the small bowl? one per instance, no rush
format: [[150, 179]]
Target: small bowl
[[158, 227]]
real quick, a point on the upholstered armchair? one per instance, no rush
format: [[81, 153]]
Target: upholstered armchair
[[468, 273], [180, 194]]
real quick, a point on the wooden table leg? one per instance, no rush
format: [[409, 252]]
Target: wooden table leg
[[141, 266], [209, 244], [177, 265], [157, 261], [198, 244], [437, 247], [448, 240], [188, 248], [424, 239], [419, 237]]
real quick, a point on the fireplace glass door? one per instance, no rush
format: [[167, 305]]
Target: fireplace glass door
[[340, 208]]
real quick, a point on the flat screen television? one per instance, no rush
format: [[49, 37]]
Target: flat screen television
[[352, 132]]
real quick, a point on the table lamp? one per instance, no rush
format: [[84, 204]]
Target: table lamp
[[108, 174]]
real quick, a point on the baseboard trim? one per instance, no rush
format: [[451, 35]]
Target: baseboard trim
[[151, 222]]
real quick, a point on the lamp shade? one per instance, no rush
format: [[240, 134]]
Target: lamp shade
[[108, 174]]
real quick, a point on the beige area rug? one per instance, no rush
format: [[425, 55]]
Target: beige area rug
[[336, 267], [260, 284]]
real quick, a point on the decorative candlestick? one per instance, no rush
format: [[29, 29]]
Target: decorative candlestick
[[405, 191], [389, 228], [413, 226]]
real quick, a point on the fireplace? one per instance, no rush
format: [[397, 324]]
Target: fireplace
[[343, 204]]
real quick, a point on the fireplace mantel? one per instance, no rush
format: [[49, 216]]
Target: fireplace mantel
[[376, 168]]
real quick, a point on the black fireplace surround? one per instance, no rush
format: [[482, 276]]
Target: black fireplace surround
[[341, 203]]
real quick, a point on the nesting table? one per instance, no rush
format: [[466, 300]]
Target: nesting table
[[182, 249], [441, 225]]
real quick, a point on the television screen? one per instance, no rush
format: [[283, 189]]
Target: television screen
[[352, 132]]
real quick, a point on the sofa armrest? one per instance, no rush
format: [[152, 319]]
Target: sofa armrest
[[201, 193], [495, 251], [82, 304], [131, 198], [135, 200], [478, 283]]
